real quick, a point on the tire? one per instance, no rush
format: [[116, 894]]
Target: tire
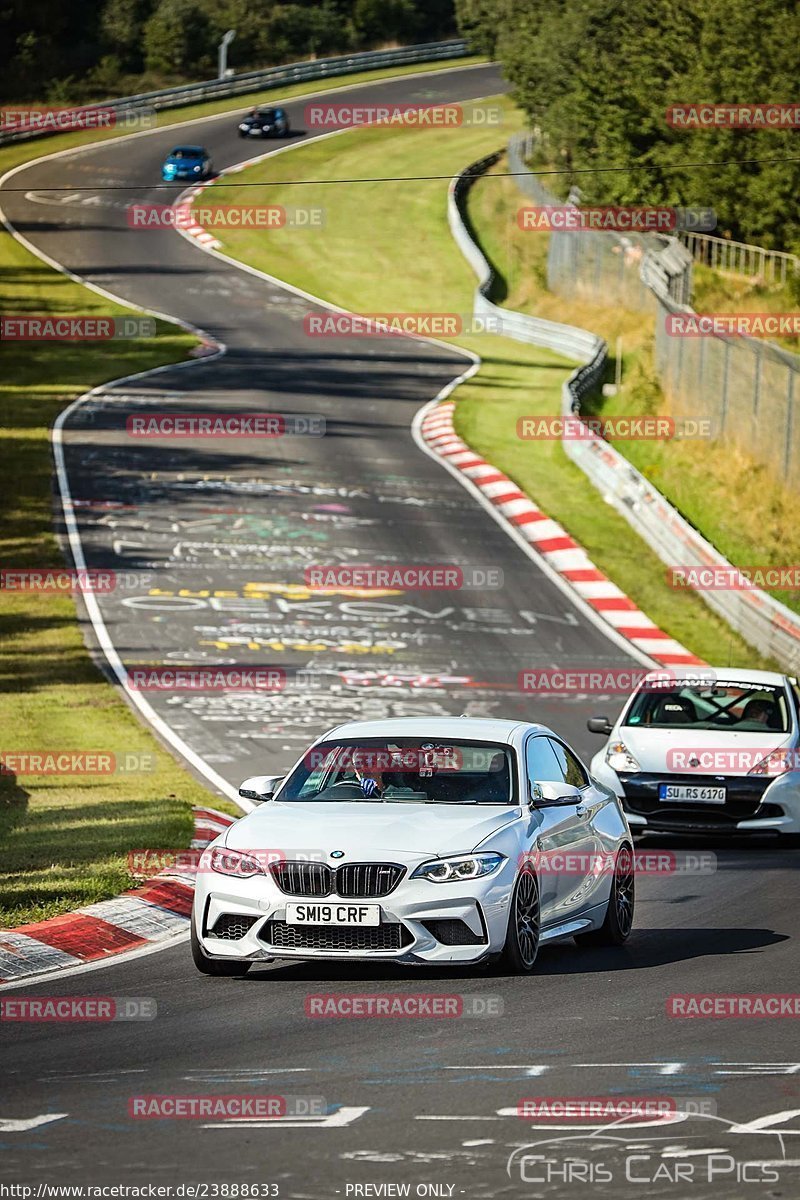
[[616, 927], [214, 966], [519, 953]]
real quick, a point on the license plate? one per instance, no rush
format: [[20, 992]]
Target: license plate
[[333, 914], [689, 793]]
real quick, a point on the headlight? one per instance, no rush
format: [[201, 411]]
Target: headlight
[[619, 758], [449, 870], [231, 862], [197, 168], [777, 762]]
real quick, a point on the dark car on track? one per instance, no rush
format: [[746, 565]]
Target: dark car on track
[[265, 122]]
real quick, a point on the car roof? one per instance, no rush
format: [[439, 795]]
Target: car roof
[[482, 729], [728, 675], [198, 150]]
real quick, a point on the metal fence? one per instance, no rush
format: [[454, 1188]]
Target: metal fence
[[765, 623], [256, 81], [740, 258], [744, 387]]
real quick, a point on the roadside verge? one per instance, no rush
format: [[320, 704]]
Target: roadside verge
[[155, 913]]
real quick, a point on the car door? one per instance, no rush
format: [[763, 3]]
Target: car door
[[566, 846]]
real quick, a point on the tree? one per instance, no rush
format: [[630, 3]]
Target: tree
[[122, 25], [385, 21], [177, 39]]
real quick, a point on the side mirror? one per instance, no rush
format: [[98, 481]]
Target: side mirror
[[554, 793], [599, 725], [260, 787]]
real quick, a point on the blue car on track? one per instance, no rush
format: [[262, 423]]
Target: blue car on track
[[186, 162]]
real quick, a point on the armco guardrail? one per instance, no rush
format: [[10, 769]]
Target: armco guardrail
[[568, 340], [763, 622], [254, 81]]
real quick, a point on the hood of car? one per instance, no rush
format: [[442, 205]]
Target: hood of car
[[723, 753], [367, 831]]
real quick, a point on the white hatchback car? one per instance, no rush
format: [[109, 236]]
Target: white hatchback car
[[445, 841], [717, 751]]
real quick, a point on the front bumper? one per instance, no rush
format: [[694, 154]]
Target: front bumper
[[417, 922], [753, 804]]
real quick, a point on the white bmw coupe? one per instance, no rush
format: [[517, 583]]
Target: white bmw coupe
[[447, 841]]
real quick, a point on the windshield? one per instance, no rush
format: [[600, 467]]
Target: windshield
[[732, 707], [404, 771], [186, 152]]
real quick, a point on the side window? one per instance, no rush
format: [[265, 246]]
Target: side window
[[571, 770], [541, 761]]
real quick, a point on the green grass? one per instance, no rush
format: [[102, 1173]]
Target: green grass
[[715, 291], [734, 500], [65, 839], [387, 247]]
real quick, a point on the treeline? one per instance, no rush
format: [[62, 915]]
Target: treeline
[[596, 76], [78, 50]]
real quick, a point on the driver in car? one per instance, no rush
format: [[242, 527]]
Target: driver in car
[[759, 711], [368, 777]]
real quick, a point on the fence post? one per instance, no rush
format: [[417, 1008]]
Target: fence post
[[725, 369], [787, 453]]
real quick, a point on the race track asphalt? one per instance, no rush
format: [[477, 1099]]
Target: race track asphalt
[[232, 526]]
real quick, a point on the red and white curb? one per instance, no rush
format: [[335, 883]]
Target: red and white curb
[[184, 220], [155, 912], [552, 542]]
